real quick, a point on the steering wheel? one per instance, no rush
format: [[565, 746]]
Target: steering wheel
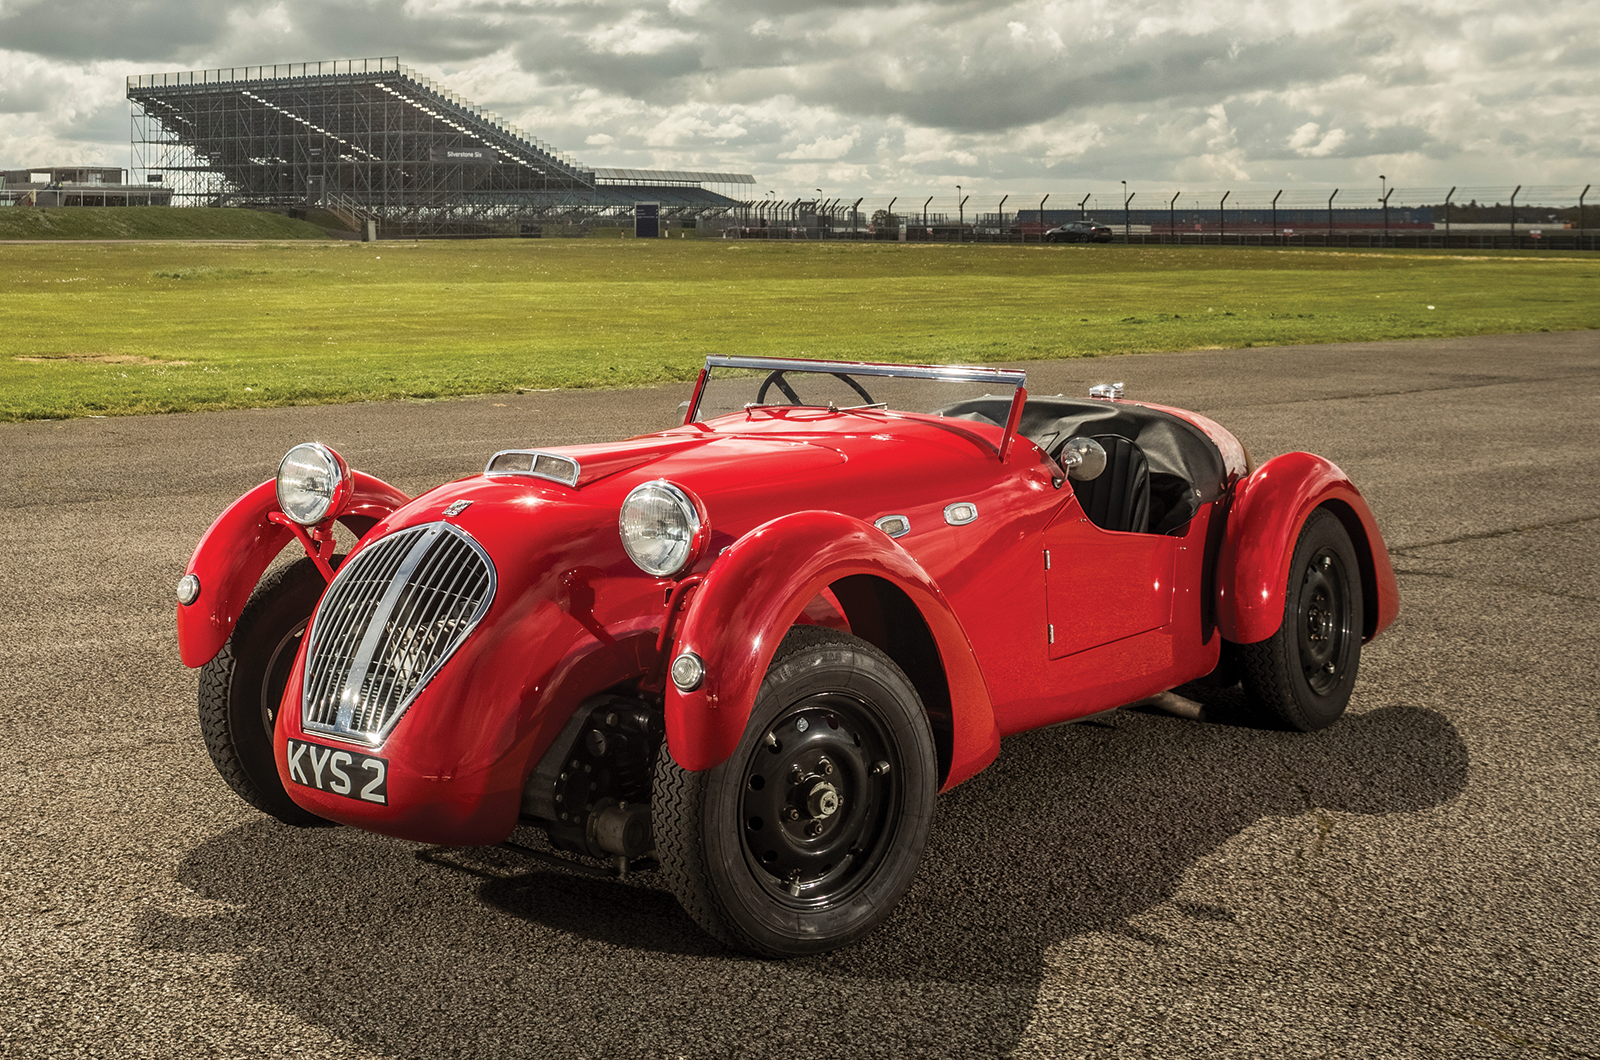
[[777, 379]]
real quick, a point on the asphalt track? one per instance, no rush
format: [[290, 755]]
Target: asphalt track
[[1417, 881]]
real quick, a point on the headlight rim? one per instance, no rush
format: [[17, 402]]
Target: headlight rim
[[336, 500], [700, 527]]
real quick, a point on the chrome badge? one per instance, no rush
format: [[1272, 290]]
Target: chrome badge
[[458, 507]]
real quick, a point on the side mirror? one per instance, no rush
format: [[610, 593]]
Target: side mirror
[[1082, 459]]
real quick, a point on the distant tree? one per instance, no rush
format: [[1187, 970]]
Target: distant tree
[[884, 219]]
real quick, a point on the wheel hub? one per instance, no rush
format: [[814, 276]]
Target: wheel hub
[[1319, 619], [823, 800], [1325, 625], [814, 808]]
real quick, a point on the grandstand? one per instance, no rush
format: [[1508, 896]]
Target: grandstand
[[370, 140]]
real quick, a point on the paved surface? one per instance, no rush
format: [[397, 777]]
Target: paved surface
[[1417, 881]]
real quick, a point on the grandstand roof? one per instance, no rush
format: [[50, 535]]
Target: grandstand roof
[[670, 176]]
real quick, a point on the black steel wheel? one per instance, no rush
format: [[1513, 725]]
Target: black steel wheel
[[242, 687], [1302, 676], [808, 835]]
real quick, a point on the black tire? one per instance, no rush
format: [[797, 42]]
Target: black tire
[[808, 845], [1301, 677], [241, 688]]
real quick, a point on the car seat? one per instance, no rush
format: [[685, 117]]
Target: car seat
[[1119, 497]]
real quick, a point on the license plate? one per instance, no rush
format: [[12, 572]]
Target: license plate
[[353, 774]]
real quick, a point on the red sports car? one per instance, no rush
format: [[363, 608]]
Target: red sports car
[[751, 649]]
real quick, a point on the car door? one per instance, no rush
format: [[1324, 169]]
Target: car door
[[1103, 586]]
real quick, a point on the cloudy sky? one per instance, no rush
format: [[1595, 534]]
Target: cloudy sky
[[868, 98]]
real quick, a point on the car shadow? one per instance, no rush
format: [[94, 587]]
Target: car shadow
[[422, 951]]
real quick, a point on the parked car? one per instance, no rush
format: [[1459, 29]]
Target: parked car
[[1078, 232], [751, 649]]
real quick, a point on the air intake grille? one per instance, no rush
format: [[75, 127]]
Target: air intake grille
[[394, 613]]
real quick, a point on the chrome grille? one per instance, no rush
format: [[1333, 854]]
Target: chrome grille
[[394, 613]]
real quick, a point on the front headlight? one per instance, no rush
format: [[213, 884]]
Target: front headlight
[[662, 528], [312, 481]]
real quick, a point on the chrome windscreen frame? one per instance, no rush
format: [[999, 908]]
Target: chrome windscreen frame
[[999, 377]]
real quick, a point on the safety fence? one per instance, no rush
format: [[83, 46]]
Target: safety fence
[[1525, 217]]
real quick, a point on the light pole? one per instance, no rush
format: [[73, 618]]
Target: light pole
[[1581, 194], [1083, 215], [1127, 230], [1383, 197]]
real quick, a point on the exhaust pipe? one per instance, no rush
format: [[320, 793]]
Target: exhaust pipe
[[1174, 704]]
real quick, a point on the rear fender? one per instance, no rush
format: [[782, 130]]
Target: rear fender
[[1269, 508], [239, 546], [759, 587]]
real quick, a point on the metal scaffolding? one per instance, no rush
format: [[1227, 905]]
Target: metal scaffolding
[[371, 140]]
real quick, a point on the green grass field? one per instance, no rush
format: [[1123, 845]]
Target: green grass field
[[109, 329]]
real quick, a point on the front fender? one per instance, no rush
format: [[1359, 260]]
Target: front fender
[[239, 546], [1269, 508], [756, 590]]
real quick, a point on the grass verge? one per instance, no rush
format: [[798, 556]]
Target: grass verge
[[150, 222], [110, 329]]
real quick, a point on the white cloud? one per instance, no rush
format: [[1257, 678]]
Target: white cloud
[[1024, 95], [1045, 37], [636, 35], [826, 147], [1309, 141]]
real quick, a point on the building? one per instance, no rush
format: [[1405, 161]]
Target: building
[[76, 186]]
